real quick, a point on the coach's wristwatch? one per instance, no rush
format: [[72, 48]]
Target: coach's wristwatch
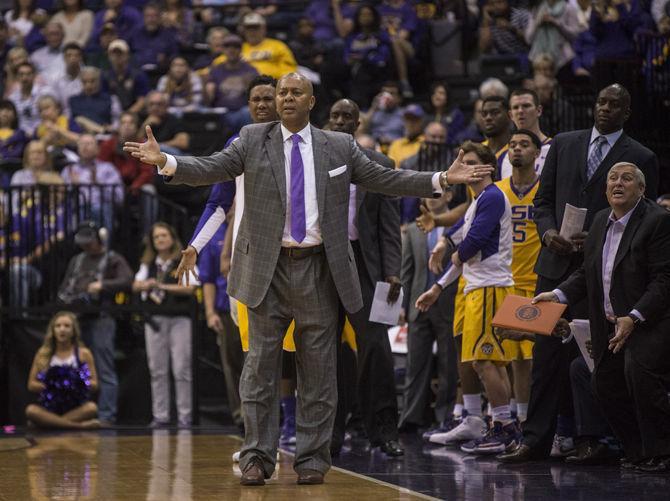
[[636, 320], [443, 181]]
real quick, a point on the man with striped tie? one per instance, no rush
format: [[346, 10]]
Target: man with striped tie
[[574, 173]]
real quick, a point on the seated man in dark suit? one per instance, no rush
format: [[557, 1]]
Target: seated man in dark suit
[[625, 279]]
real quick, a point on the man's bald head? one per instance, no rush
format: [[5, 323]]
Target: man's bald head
[[621, 91], [294, 100], [297, 76], [344, 116], [348, 105]]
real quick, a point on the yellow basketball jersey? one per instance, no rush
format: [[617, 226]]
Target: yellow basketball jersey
[[526, 241]]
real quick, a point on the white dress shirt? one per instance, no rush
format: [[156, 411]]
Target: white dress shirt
[[615, 230], [313, 234]]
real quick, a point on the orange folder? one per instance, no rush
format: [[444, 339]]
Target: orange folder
[[518, 314]]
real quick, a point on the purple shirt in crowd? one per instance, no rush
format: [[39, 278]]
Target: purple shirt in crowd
[[395, 19], [321, 14], [156, 47], [231, 85]]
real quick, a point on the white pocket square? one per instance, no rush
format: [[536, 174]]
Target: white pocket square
[[338, 171]]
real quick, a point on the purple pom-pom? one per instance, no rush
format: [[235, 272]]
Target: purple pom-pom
[[67, 387]]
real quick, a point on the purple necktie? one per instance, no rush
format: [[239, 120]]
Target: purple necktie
[[298, 226]]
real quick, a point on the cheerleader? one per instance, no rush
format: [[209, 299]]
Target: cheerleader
[[63, 373]]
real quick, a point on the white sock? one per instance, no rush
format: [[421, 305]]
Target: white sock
[[472, 403], [521, 411], [512, 405], [458, 411], [488, 410], [502, 414]]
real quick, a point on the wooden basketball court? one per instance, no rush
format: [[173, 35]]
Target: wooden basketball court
[[160, 466]]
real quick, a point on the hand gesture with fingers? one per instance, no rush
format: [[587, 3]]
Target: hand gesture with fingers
[[428, 298], [461, 173], [437, 256], [187, 266], [426, 221], [624, 327], [148, 152]]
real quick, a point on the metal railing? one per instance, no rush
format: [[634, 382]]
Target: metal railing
[[38, 223]]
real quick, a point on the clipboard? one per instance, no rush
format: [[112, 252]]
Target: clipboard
[[518, 314]]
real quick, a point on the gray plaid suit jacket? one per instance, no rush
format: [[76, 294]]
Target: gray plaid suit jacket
[[259, 154]]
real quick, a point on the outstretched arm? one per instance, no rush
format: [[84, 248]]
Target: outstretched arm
[[375, 177], [224, 165]]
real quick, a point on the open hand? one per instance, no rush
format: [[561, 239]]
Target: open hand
[[428, 298], [187, 266], [437, 257], [148, 152], [624, 327], [426, 221], [461, 173]]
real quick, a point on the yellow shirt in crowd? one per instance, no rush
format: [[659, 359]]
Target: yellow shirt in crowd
[[403, 148], [270, 57]]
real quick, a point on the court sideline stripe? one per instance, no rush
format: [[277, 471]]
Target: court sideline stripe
[[402, 490]]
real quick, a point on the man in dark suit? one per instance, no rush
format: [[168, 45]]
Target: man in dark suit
[[374, 233], [426, 328], [574, 172], [293, 260], [625, 279]]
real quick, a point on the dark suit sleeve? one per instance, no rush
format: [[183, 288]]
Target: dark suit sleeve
[[654, 301], [545, 200], [389, 236], [574, 286], [407, 269]]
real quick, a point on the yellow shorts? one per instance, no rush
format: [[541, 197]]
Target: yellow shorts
[[479, 341], [520, 350], [459, 308], [348, 334]]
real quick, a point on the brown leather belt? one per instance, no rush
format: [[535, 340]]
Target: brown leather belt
[[301, 252]]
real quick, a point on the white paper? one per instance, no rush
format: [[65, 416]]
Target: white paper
[[381, 311], [573, 221], [398, 339], [581, 330]]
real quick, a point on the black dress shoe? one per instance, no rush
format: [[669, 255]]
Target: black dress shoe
[[654, 465], [520, 454], [392, 448], [310, 477], [591, 452], [253, 473]]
